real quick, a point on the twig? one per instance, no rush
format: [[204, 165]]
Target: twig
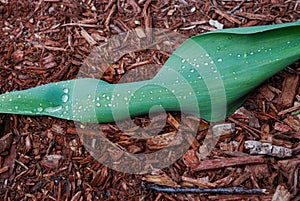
[[237, 7], [234, 190]]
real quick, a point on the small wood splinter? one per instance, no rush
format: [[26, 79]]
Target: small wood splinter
[[234, 190]]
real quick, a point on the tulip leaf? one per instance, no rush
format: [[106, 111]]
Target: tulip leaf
[[209, 76]]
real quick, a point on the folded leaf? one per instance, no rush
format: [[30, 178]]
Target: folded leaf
[[209, 75]]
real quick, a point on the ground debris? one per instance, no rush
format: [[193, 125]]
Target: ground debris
[[265, 148], [281, 194], [42, 158]]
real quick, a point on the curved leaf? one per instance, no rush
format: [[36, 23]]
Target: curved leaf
[[209, 75]]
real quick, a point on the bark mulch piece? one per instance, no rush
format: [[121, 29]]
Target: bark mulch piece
[[43, 158]]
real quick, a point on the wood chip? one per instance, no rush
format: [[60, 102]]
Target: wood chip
[[164, 140], [267, 93], [171, 120], [198, 182], [228, 17], [281, 127], [290, 87], [293, 122], [4, 169], [281, 194], [161, 179], [140, 33], [226, 162]]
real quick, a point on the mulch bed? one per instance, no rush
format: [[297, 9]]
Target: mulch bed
[[42, 158]]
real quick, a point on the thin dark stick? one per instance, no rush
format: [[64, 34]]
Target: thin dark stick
[[234, 190]]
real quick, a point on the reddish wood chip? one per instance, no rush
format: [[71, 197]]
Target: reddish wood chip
[[5, 142], [282, 127], [267, 93], [226, 162], [190, 158], [289, 90], [293, 122]]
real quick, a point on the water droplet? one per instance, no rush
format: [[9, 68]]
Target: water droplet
[[199, 77], [195, 60], [16, 107], [98, 104], [125, 98], [53, 109], [66, 90], [192, 70], [238, 55], [64, 98], [251, 53], [234, 72], [19, 96], [220, 60], [205, 63], [97, 98], [207, 55], [10, 100], [288, 42], [182, 60], [245, 55], [230, 54], [183, 66]]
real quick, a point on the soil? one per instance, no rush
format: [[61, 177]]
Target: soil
[[44, 158]]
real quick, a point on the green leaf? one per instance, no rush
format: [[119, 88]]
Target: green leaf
[[209, 75]]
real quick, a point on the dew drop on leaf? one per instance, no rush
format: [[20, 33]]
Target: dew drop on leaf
[[53, 109], [66, 90], [64, 98], [39, 109]]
